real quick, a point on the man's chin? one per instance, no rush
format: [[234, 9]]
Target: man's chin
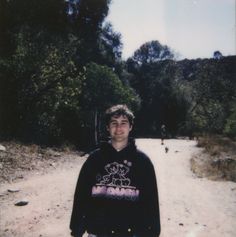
[[119, 138]]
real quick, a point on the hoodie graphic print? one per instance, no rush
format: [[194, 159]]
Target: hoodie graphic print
[[115, 184]]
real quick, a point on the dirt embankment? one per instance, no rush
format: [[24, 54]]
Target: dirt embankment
[[218, 159], [18, 160]]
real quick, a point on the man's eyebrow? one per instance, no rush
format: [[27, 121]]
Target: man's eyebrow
[[123, 120], [113, 120]]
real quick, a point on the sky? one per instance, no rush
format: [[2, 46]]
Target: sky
[[192, 28]]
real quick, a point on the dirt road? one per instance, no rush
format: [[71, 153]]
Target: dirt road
[[190, 207]]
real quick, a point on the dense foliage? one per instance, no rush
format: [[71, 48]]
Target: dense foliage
[[189, 96], [61, 67], [57, 58]]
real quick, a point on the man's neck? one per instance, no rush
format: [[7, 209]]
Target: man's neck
[[119, 145]]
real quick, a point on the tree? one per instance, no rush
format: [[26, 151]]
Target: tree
[[151, 52], [161, 102], [211, 90], [87, 25], [46, 90], [37, 15], [110, 46], [43, 52], [102, 88], [217, 55]]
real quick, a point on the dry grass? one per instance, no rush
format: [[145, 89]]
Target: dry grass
[[20, 159], [218, 161], [217, 144]]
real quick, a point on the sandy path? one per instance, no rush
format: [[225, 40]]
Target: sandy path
[[189, 206], [50, 199]]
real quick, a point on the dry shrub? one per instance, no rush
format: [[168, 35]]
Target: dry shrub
[[19, 159], [218, 161], [202, 142], [199, 166], [215, 144], [215, 150]]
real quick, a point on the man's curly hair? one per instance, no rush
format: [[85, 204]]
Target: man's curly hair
[[118, 110]]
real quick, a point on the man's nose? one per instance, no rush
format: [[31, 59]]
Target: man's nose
[[118, 126]]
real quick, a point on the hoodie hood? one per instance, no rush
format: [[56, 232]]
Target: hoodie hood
[[107, 147]]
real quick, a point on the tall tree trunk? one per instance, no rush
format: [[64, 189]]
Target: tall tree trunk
[[96, 127]]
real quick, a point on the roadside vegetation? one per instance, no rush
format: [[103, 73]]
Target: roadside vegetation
[[218, 159], [19, 160]]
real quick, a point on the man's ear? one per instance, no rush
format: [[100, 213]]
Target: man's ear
[[130, 127]]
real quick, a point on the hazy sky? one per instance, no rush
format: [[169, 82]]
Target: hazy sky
[[193, 28]]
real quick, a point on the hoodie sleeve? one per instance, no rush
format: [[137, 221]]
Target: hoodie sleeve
[[81, 195], [152, 202]]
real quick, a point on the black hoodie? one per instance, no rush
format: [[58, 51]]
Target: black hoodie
[[116, 194]]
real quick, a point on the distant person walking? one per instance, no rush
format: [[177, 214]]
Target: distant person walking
[[163, 133]]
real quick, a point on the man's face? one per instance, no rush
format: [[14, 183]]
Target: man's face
[[119, 128]]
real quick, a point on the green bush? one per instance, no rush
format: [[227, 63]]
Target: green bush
[[230, 126]]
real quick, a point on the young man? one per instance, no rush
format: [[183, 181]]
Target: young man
[[116, 194]]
